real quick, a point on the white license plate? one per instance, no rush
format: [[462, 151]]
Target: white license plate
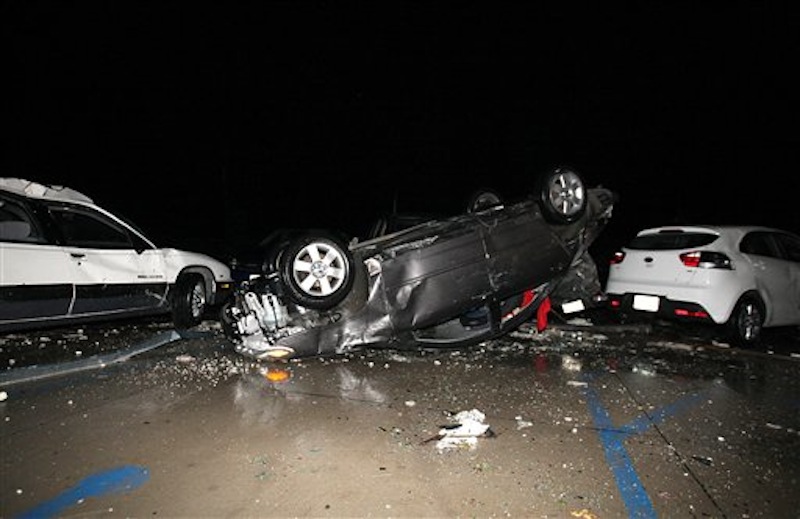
[[645, 303], [573, 307]]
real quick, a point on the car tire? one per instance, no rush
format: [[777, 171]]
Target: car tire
[[317, 271], [227, 321], [746, 322], [482, 200], [189, 301], [562, 196]]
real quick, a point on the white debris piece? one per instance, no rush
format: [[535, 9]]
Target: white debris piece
[[468, 426], [523, 424], [645, 370], [3, 396], [570, 363]]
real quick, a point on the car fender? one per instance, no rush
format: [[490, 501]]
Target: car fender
[[179, 262]]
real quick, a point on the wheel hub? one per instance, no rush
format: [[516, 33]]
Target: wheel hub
[[319, 269]]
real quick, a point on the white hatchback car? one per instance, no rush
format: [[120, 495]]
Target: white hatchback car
[[65, 260], [742, 278]]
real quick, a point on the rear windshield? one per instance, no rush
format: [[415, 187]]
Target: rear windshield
[[671, 240]]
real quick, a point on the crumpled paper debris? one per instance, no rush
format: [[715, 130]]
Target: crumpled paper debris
[[467, 427]]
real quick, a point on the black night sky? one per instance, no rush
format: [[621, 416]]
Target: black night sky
[[212, 124]]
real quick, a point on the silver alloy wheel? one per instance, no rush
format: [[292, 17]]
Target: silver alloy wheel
[[319, 269], [749, 321], [197, 299], [566, 193]]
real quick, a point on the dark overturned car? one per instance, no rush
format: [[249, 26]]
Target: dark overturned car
[[441, 283]]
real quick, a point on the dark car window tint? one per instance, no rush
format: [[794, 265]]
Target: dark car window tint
[[790, 245], [759, 243], [82, 228], [17, 224], [671, 240]]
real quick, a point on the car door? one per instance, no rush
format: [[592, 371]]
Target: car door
[[790, 251], [521, 248], [433, 272], [36, 278], [116, 271], [775, 276]]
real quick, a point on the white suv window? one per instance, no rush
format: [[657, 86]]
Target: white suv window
[[83, 228], [16, 223]]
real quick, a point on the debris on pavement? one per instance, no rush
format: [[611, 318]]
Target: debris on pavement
[[523, 424], [570, 363], [643, 369], [577, 383], [705, 460], [467, 427]]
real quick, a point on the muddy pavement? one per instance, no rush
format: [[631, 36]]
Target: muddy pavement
[[572, 422]]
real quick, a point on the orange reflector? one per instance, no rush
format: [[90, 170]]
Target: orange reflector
[[277, 375]]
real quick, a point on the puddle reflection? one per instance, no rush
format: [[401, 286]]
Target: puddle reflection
[[263, 396]]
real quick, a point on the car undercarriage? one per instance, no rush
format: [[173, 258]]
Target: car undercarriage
[[451, 282]]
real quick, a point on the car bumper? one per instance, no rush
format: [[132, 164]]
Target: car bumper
[[659, 306]]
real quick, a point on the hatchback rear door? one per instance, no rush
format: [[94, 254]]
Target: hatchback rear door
[[654, 260]]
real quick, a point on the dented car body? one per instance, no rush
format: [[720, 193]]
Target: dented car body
[[451, 282]]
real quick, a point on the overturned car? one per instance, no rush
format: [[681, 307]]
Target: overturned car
[[444, 283]]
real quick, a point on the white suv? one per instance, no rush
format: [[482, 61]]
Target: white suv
[[64, 260], [741, 277]]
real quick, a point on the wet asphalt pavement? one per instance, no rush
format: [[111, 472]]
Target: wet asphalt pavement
[[583, 421]]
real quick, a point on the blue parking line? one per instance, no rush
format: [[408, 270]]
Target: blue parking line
[[634, 495], [114, 481]]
